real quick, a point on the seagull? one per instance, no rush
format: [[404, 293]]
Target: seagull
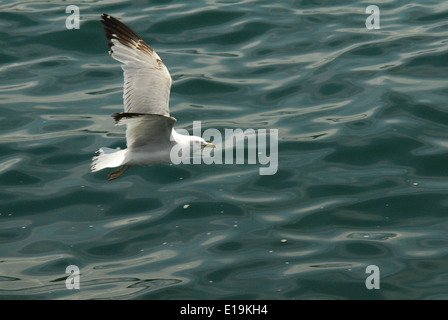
[[150, 135]]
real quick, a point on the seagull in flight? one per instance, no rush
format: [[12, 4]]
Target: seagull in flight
[[150, 135]]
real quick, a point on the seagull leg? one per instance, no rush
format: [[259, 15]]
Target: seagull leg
[[118, 173]]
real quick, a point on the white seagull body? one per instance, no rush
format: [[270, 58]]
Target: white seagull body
[[150, 135]]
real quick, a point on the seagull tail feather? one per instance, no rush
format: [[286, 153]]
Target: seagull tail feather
[[108, 158]]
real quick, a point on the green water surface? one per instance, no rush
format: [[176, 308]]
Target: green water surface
[[362, 124]]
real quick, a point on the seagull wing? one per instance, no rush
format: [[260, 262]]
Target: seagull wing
[[148, 131], [147, 82]]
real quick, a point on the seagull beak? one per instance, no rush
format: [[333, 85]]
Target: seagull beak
[[208, 144]]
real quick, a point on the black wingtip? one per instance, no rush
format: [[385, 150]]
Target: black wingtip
[[129, 115], [107, 19], [126, 115], [115, 26], [115, 29]]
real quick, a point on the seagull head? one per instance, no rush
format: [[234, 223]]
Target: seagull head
[[199, 143]]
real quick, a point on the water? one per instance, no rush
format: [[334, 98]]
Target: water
[[362, 160]]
